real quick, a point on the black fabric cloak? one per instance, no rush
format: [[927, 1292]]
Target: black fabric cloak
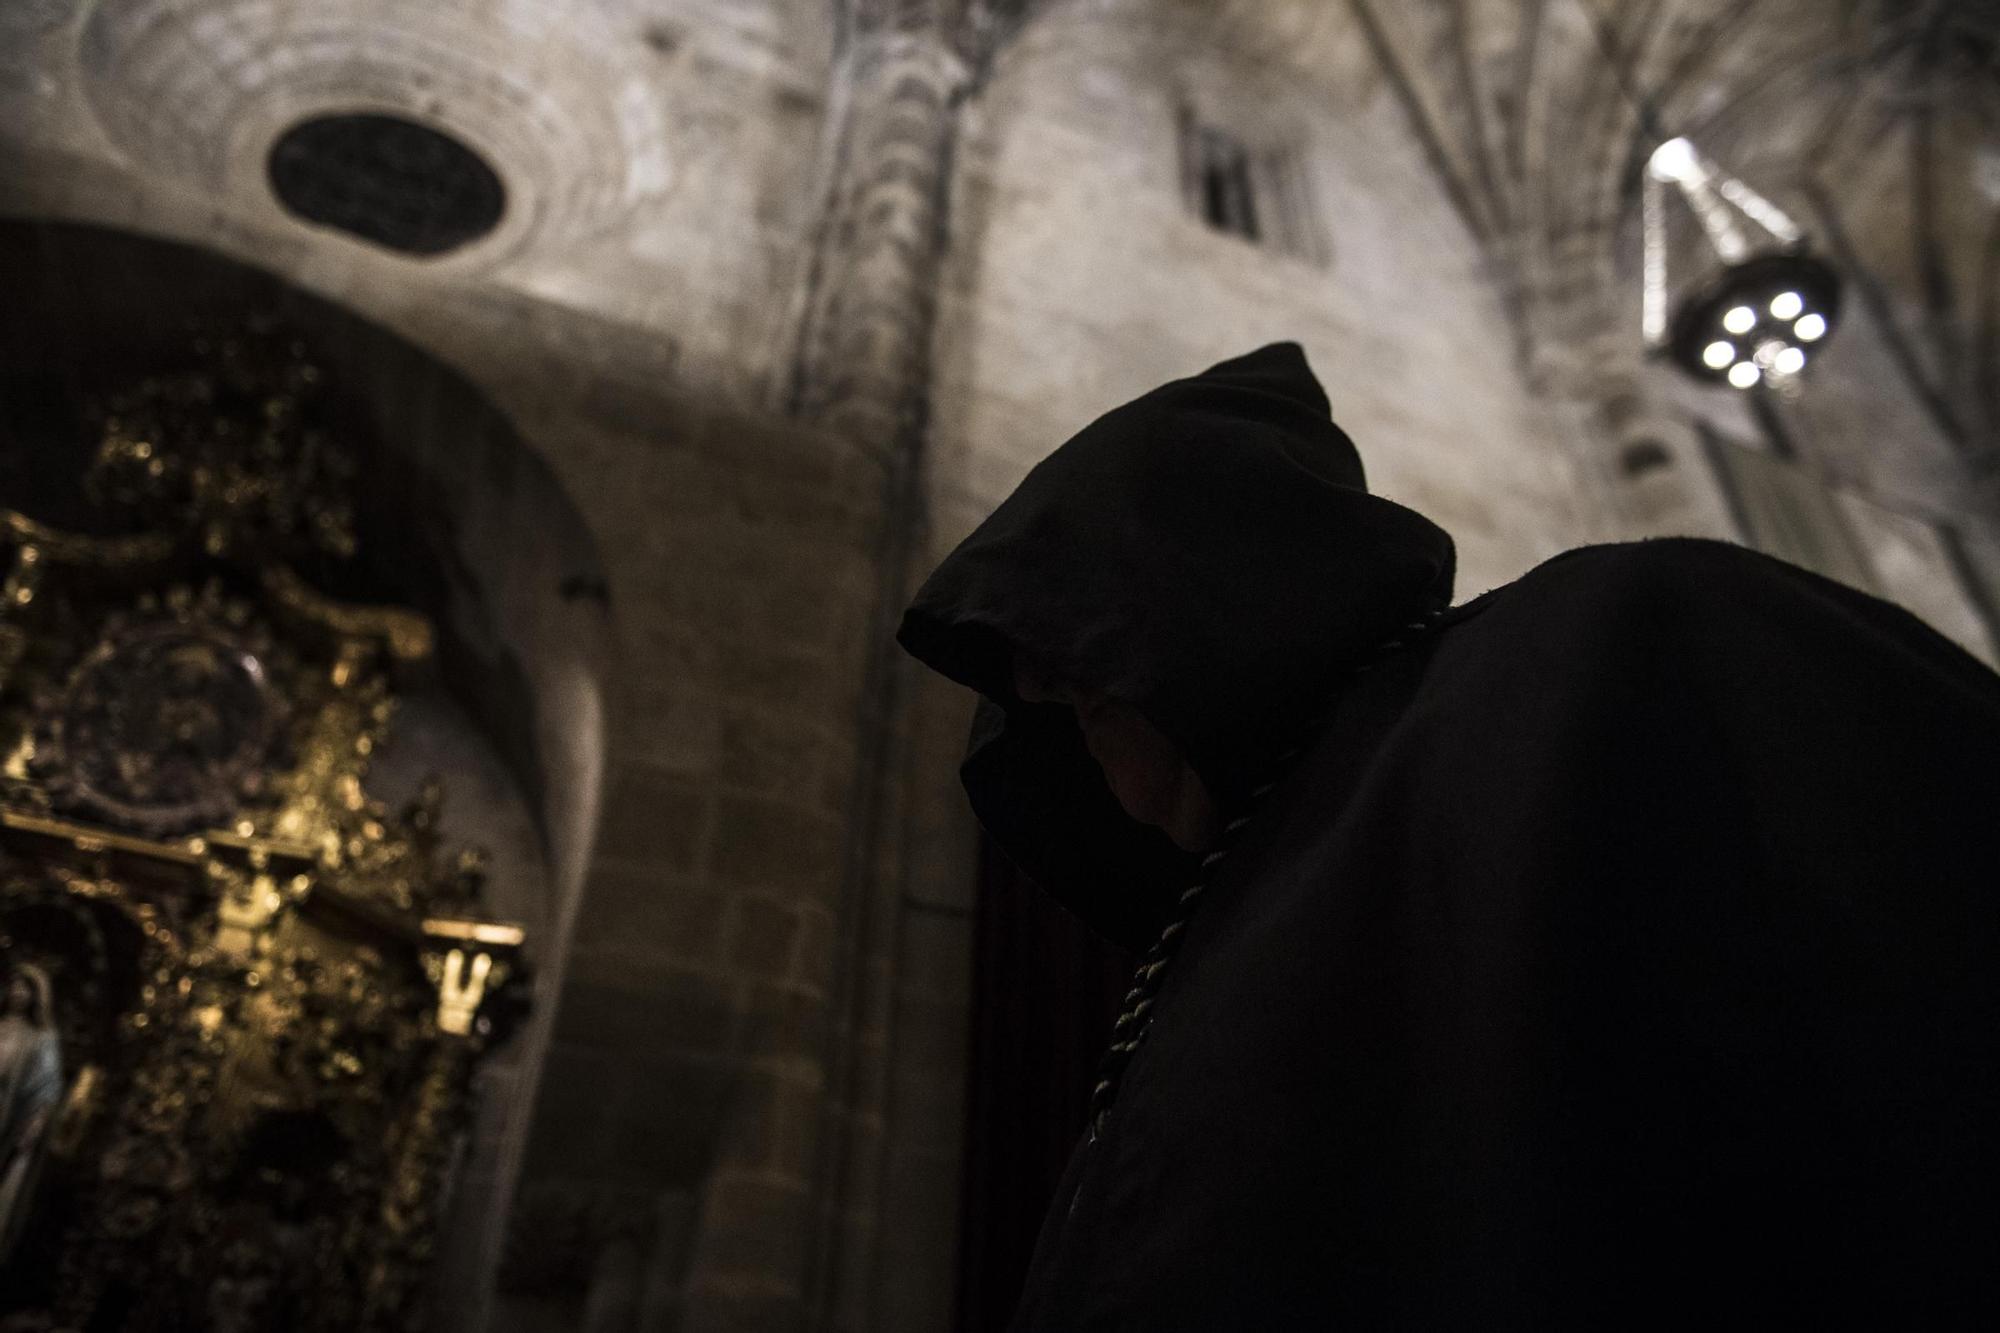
[[1620, 953]]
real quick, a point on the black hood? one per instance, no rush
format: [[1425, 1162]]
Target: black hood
[[1208, 553]]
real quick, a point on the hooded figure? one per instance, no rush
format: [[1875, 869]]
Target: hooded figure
[[1619, 948]]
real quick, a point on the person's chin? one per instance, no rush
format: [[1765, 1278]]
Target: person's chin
[[1153, 806]]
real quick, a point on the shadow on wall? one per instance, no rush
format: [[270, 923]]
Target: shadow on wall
[[457, 517]]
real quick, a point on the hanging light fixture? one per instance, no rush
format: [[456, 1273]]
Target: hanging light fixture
[[1763, 315]]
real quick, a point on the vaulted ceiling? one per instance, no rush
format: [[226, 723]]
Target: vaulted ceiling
[[1875, 122]]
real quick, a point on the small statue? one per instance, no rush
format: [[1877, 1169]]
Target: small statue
[[30, 1089]]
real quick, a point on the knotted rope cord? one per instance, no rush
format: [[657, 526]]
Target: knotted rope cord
[[1135, 1021]]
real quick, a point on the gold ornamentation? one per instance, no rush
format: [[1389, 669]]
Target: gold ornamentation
[[271, 989], [461, 983], [405, 635]]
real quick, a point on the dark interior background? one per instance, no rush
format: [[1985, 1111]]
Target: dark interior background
[[1045, 994]]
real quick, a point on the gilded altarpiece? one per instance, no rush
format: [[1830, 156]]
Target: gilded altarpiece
[[243, 999]]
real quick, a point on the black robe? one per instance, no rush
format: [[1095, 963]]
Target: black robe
[[1622, 951]]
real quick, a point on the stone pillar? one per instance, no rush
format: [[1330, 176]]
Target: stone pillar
[[863, 362], [861, 372]]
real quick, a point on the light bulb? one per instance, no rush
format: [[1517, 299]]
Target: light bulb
[[1810, 328], [1718, 354], [1740, 319], [1790, 361], [1743, 374], [1674, 160], [1786, 305]]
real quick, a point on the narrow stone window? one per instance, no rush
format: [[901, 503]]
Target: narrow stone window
[[388, 181], [1258, 192], [1226, 200]]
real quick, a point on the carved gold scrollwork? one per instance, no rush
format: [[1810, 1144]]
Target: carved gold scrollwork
[[130, 554], [406, 636], [270, 990]]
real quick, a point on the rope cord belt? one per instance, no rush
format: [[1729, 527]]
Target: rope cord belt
[[1136, 1017]]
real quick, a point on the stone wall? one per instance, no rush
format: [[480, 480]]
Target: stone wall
[[662, 1172], [1081, 277], [679, 1110], [658, 155], [630, 319]]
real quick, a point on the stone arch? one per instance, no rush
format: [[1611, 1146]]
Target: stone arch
[[459, 517]]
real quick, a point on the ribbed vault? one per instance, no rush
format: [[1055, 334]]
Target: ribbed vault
[[1876, 121]]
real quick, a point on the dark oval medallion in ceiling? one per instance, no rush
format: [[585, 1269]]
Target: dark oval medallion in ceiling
[[389, 181]]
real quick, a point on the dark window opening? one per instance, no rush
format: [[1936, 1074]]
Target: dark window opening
[[1261, 193], [1227, 199], [389, 181]]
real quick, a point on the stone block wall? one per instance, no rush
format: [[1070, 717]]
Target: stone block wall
[[667, 1164], [1080, 277], [681, 1102], [661, 1172]]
